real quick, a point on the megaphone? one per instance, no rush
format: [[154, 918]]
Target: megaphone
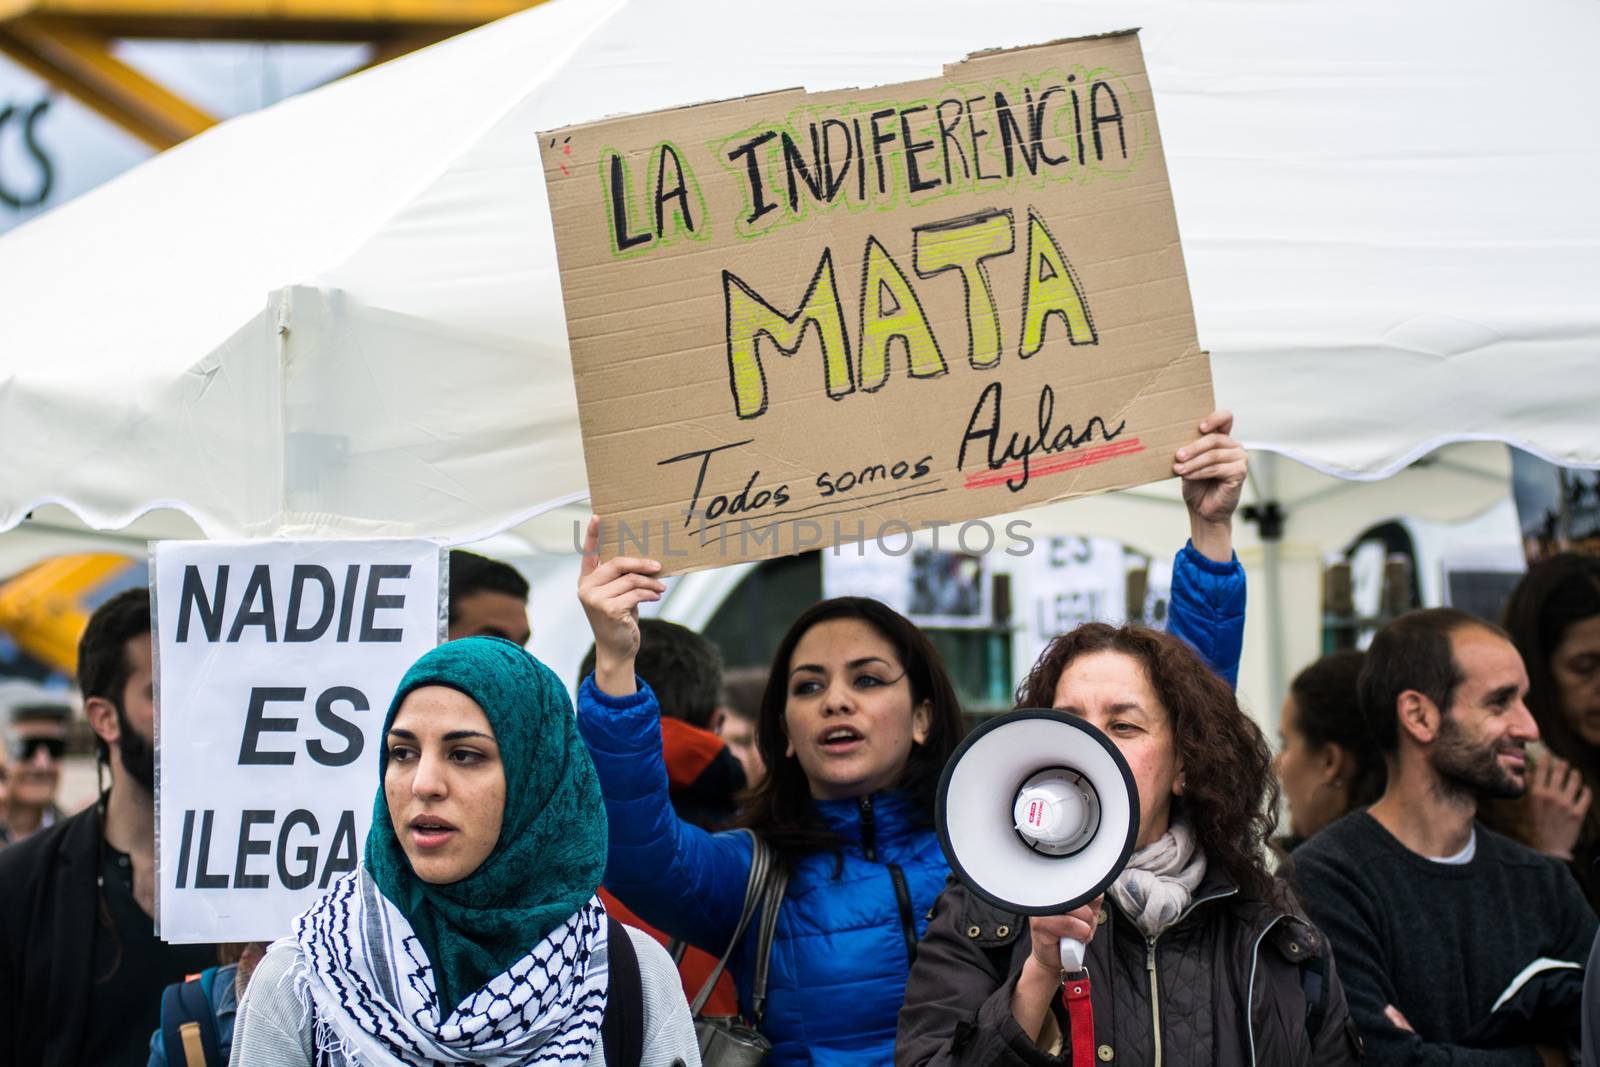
[[1037, 813]]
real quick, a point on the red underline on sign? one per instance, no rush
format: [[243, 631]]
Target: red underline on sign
[[1098, 454]]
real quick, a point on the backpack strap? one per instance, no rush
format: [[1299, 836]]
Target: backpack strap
[[622, 1028], [208, 983], [189, 1023]]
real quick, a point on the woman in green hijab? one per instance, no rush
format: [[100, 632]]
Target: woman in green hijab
[[471, 933]]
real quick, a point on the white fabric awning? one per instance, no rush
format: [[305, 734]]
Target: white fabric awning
[[341, 315]]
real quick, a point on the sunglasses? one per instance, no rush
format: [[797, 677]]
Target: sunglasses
[[24, 748]]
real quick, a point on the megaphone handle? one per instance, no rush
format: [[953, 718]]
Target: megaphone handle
[[1072, 952]]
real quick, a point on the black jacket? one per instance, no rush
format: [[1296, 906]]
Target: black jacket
[[48, 897], [1227, 951], [1443, 942]]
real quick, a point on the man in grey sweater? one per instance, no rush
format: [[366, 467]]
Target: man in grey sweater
[[1456, 945]]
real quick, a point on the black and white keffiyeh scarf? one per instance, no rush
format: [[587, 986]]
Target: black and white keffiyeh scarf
[[369, 987]]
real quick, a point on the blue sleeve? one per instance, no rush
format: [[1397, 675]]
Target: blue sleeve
[[158, 1050], [1207, 609], [676, 876]]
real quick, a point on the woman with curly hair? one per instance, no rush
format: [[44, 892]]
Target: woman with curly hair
[[1197, 953]]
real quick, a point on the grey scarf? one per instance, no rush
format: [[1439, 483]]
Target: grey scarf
[[1160, 879]]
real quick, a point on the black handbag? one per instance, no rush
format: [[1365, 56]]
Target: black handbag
[[731, 1042]]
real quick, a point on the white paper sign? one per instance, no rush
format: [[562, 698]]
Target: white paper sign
[[1064, 582], [276, 661]]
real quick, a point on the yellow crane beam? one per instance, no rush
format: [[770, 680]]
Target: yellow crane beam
[[69, 43], [276, 20], [44, 608], [80, 64]]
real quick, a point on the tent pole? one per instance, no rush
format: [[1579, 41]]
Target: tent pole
[[1269, 518]]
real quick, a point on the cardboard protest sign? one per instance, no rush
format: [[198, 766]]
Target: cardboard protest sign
[[275, 664], [804, 318]]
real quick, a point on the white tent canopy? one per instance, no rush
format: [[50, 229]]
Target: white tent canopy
[[342, 315]]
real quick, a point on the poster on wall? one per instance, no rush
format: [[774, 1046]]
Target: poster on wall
[[932, 586]]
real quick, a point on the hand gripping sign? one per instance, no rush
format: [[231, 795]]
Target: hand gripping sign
[[275, 664], [799, 319]]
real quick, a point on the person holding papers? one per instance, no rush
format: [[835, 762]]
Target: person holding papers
[[471, 933], [1456, 945]]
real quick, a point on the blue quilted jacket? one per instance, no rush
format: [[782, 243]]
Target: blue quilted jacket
[[845, 933]]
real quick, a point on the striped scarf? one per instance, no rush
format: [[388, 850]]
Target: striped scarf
[[370, 990]]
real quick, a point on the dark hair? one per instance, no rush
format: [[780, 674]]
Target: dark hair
[[103, 665], [780, 808], [741, 691], [1230, 794], [471, 573], [36, 712], [682, 668], [1412, 653], [1551, 597], [1329, 712]]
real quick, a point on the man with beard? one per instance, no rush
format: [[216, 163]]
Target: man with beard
[[1455, 945], [81, 970]]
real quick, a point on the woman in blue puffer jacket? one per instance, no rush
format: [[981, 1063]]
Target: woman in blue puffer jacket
[[857, 721]]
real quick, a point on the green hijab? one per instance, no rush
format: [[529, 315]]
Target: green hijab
[[552, 849]]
